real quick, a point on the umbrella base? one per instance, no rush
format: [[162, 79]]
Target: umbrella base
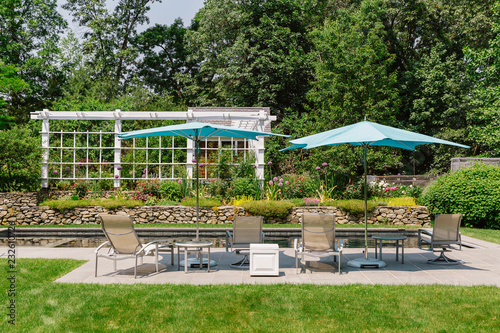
[[366, 263], [195, 263]]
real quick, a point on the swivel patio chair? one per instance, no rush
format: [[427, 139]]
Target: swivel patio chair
[[445, 233], [122, 242], [246, 230], [318, 239]]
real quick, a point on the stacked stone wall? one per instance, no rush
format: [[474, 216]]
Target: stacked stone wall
[[23, 209]]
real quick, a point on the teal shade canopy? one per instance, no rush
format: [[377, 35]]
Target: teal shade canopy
[[196, 131], [368, 134]]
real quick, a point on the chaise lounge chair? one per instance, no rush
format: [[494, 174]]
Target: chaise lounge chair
[[123, 243], [318, 239], [445, 233], [246, 230]]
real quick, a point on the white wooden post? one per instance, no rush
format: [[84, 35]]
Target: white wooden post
[[118, 149], [45, 147]]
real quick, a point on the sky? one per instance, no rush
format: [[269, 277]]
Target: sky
[[160, 13]]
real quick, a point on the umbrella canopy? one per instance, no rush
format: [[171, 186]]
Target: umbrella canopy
[[367, 134], [197, 132]]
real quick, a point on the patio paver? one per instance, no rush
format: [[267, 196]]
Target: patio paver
[[479, 266]]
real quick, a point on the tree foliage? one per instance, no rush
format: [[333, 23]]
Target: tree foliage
[[29, 34]]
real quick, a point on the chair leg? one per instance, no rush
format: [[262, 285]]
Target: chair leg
[[96, 258], [296, 263], [135, 268], [442, 260]]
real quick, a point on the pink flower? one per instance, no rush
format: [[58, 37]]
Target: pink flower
[[116, 176], [324, 164], [287, 182], [119, 167], [318, 168], [269, 163], [386, 189], [271, 182], [180, 181], [394, 188], [275, 179]]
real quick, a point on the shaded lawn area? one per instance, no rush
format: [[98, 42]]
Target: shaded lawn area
[[43, 306]]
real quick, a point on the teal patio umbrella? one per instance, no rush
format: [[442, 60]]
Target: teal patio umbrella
[[367, 134], [197, 132]]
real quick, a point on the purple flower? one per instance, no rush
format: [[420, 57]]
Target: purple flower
[[254, 166], [76, 169], [144, 170], [324, 164], [280, 184], [116, 176], [269, 163], [281, 180], [180, 181], [318, 168], [143, 176], [119, 167], [54, 172], [271, 182], [193, 160], [66, 168], [275, 179], [201, 165]]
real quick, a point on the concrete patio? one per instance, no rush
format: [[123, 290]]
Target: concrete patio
[[479, 265]]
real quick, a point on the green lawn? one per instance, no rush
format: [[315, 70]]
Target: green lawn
[[484, 234], [44, 306]]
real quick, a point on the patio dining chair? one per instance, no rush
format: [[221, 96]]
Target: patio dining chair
[[246, 230], [122, 242], [318, 239], [445, 233]]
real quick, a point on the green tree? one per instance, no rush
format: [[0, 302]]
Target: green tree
[[484, 116], [352, 69], [165, 58], [9, 83], [29, 34], [107, 39], [20, 157], [253, 53]]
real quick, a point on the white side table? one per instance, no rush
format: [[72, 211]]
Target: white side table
[[264, 260]]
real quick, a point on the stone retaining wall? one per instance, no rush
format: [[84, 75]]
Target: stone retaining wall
[[22, 209]]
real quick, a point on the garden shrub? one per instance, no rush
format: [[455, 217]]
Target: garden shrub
[[268, 208], [170, 190], [245, 187], [80, 187], [218, 188], [474, 192]]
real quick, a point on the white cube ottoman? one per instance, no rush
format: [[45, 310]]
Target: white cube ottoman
[[264, 260]]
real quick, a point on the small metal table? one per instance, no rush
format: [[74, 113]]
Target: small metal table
[[193, 246], [396, 238]]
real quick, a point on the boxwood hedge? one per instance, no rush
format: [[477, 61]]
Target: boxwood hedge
[[474, 192]]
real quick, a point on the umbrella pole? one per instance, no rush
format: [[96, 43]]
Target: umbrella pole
[[196, 155], [366, 199]]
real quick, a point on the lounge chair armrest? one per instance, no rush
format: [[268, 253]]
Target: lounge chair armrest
[[423, 231], [101, 246], [147, 247], [229, 239], [296, 244], [339, 245]]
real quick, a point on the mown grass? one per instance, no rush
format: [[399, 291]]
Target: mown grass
[[45, 306], [488, 235]]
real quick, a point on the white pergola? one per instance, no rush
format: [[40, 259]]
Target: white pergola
[[258, 119]]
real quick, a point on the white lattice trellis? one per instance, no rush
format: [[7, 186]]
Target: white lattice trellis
[[61, 163]]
